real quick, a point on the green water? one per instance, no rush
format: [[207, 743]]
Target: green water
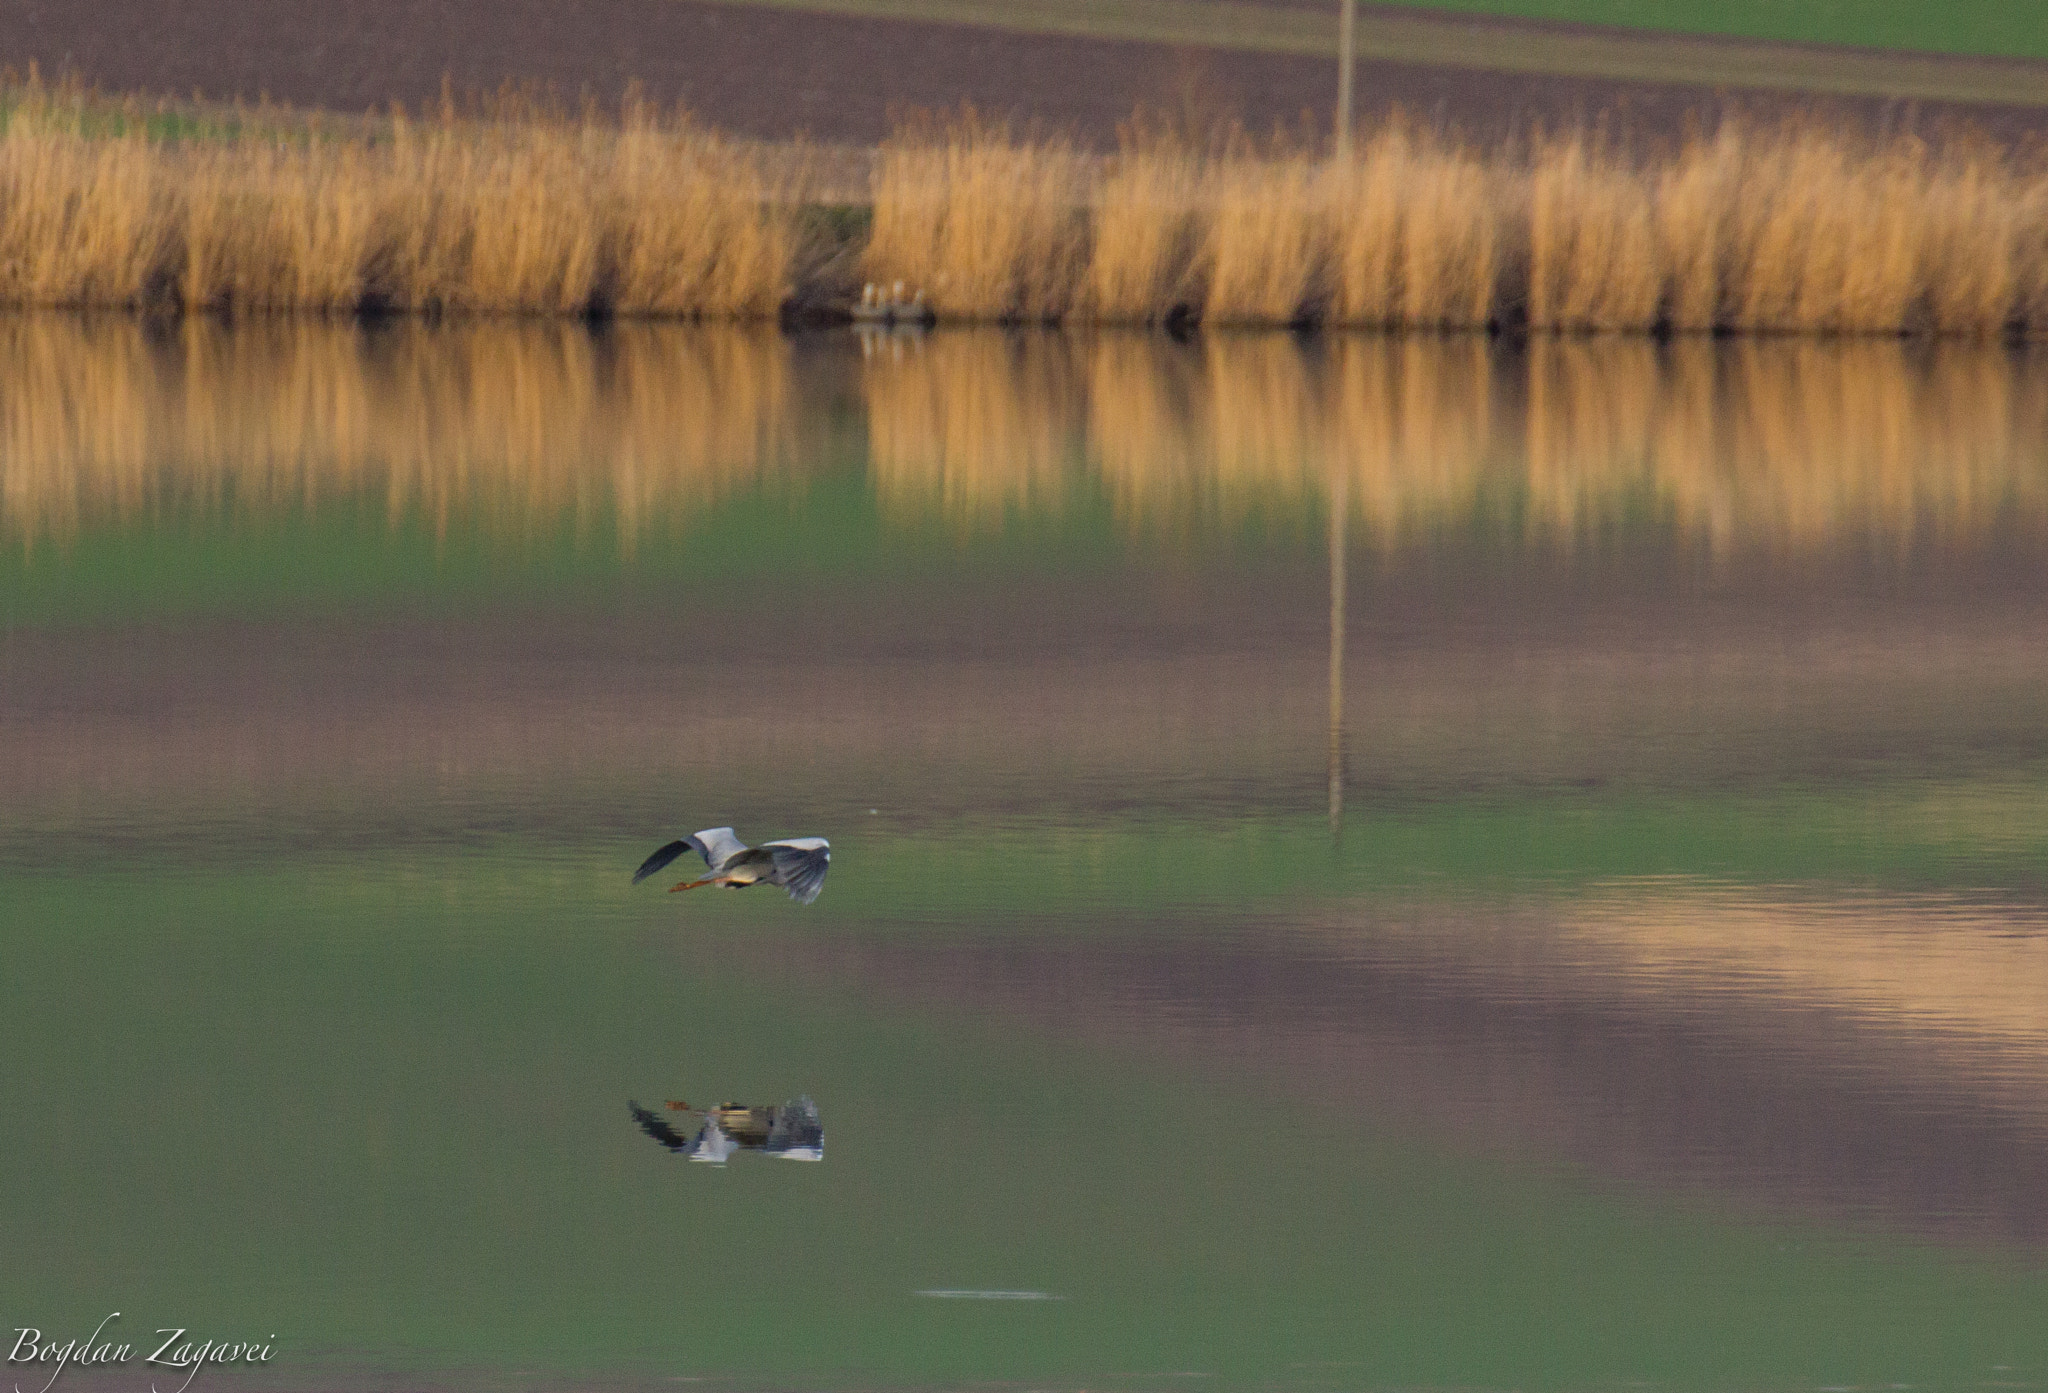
[[1625, 978]]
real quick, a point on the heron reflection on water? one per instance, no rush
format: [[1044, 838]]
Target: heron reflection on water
[[797, 864], [793, 1131]]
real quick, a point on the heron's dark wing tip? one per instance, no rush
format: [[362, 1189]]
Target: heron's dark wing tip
[[654, 1126], [801, 869], [661, 858]]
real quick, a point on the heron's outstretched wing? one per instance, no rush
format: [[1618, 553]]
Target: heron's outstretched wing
[[800, 865], [655, 1126], [719, 846], [663, 857], [798, 1128], [712, 1144]]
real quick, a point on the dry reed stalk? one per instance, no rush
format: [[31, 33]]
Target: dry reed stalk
[[1265, 240], [82, 221], [712, 238], [1454, 232], [987, 228], [1971, 242], [1886, 249], [313, 239], [1826, 239], [906, 239], [526, 209], [1770, 231], [1696, 197], [1592, 248], [1369, 197], [1145, 236], [2030, 254]]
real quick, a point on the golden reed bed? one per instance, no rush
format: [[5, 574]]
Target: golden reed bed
[[1790, 229], [517, 210], [511, 211], [1786, 445]]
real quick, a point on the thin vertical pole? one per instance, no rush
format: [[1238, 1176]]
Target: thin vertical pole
[[1339, 507], [1347, 20]]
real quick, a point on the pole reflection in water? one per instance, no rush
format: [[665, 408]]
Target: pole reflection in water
[[793, 1131], [1339, 507]]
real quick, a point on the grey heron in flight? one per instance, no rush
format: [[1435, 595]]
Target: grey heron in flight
[[798, 864], [793, 1131]]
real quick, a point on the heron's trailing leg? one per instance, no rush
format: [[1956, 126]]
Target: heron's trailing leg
[[693, 884]]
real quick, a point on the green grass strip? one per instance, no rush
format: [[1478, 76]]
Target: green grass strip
[[1995, 28], [1450, 41]]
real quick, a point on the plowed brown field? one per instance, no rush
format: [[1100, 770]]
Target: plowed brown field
[[776, 72]]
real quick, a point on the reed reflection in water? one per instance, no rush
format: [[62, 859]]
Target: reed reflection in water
[[108, 421], [1781, 445], [1784, 446]]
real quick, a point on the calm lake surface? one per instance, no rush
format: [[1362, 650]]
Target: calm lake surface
[[1358, 863]]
